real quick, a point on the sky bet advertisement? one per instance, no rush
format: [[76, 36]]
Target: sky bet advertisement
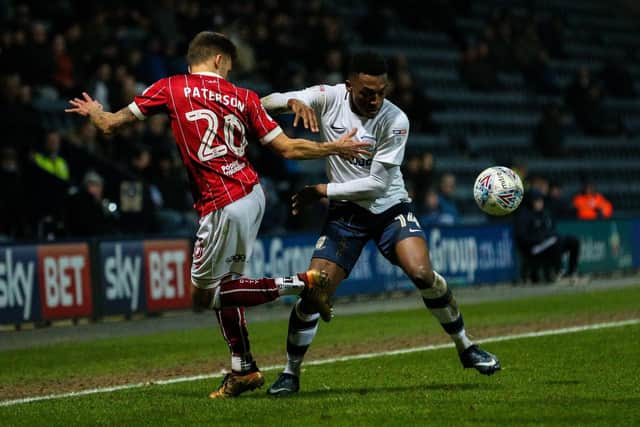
[[144, 276], [45, 282], [56, 281]]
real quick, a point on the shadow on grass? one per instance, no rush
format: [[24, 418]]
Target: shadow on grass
[[362, 391]]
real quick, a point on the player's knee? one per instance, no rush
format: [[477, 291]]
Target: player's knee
[[201, 298], [422, 276]]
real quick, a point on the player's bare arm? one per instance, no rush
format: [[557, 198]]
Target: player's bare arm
[[277, 103], [105, 121], [304, 149], [305, 113]]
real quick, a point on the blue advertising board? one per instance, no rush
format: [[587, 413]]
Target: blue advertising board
[[635, 242], [19, 290], [121, 277], [468, 255], [463, 255]]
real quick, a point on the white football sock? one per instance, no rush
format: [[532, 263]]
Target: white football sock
[[290, 285], [461, 341]]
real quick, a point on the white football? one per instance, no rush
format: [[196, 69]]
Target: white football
[[498, 190]]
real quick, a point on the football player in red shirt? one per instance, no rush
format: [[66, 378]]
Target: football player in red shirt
[[212, 119]]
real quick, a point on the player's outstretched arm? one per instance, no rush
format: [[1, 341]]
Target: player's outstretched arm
[[105, 121], [304, 149], [277, 103]]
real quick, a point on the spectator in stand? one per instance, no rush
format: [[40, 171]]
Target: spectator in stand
[[101, 84], [477, 70], [85, 137], [559, 205], [538, 182], [175, 213], [49, 158], [549, 133], [18, 119], [446, 198], [86, 212], [13, 215], [138, 199], [411, 98], [584, 97], [552, 36], [590, 204], [63, 77], [617, 79], [533, 60], [540, 244], [498, 34], [441, 16], [39, 72], [47, 178], [419, 171], [434, 214]]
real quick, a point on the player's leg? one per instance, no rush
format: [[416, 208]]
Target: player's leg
[[303, 327], [403, 242], [337, 251], [244, 375], [223, 244]]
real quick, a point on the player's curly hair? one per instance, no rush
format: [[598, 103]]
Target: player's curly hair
[[367, 62], [207, 44]]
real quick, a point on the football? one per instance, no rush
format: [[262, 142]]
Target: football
[[498, 190]]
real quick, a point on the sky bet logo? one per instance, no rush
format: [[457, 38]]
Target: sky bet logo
[[17, 267], [145, 275], [44, 282], [122, 268], [65, 281]]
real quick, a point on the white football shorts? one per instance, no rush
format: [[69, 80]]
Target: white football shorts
[[225, 239]]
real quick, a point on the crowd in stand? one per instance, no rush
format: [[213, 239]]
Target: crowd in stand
[[69, 181], [50, 52]]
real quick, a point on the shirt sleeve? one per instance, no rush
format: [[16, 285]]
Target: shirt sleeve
[[265, 128], [153, 100], [371, 186], [314, 96], [393, 142]]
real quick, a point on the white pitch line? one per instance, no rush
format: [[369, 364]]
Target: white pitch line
[[323, 361]]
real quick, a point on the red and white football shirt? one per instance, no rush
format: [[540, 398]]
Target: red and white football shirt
[[211, 120]]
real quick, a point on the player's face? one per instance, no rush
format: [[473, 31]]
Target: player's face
[[367, 93]]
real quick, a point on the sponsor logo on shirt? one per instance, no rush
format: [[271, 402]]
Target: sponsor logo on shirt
[[399, 131], [236, 258], [233, 167]]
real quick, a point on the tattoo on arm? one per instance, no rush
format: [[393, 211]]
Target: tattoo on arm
[[109, 122]]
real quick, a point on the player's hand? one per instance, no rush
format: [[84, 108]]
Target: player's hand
[[305, 113], [85, 106], [306, 196], [348, 148]]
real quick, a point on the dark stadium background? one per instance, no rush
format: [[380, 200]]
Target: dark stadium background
[[483, 83]]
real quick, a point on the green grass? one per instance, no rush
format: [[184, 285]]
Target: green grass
[[584, 378]]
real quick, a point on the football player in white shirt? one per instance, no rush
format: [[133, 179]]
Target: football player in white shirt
[[367, 200]]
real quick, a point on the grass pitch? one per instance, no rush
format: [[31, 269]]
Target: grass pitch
[[582, 378]]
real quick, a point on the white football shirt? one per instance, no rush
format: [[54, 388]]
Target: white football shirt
[[387, 132]]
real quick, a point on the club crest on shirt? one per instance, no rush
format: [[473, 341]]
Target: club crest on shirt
[[321, 243]]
